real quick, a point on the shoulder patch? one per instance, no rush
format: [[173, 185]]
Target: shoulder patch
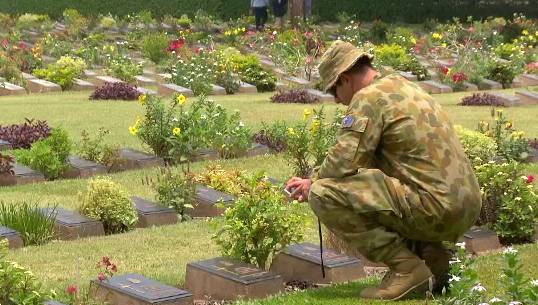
[[348, 121]]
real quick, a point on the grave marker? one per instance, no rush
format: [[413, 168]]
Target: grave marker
[[528, 79], [470, 86], [5, 145], [164, 77], [101, 80], [297, 82], [247, 88], [224, 279], [135, 289], [81, 85], [145, 81], [205, 155], [11, 89], [151, 214], [42, 86], [217, 90], [303, 262], [323, 97], [409, 76], [487, 84], [506, 99], [146, 91], [258, 149], [134, 159], [89, 74], [13, 237], [169, 89], [207, 200], [479, 240], [434, 87], [80, 168], [69, 225], [528, 97], [26, 175]]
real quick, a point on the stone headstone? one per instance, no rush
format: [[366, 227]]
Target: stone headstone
[[207, 200], [280, 86], [163, 77], [323, 97], [506, 99], [409, 76], [81, 85], [5, 145], [258, 150], [135, 289], [42, 86], [217, 90], [11, 89], [169, 89], [101, 80], [297, 82], [48, 59], [528, 79], [480, 240], [533, 158], [13, 237], [26, 175], [145, 81], [449, 62], [151, 214], [280, 72], [205, 155], [27, 76], [53, 303], [89, 74], [80, 168], [133, 159], [517, 83], [69, 225], [528, 97], [146, 91], [434, 87], [148, 73], [224, 279], [267, 64], [303, 262], [247, 88], [488, 84], [470, 86]]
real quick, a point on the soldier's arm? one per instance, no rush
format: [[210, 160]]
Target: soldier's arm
[[355, 146]]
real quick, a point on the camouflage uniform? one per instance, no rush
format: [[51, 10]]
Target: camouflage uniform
[[396, 173]]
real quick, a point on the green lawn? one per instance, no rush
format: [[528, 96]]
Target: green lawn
[[162, 253]]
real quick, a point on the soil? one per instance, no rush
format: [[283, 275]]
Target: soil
[[297, 285]]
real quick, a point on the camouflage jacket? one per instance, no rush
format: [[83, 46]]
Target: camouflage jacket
[[394, 126]]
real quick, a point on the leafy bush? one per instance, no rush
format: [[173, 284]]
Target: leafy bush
[[96, 150], [300, 96], [6, 164], [175, 190], [24, 135], [76, 23], [257, 76], [198, 73], [478, 99], [391, 55], [260, 224], [511, 145], [233, 182], [107, 22], [123, 68], [115, 91], [503, 72], [30, 21], [478, 147], [18, 285], [273, 136], [106, 201], [509, 203], [10, 71], [35, 227], [48, 156], [154, 47], [63, 72]]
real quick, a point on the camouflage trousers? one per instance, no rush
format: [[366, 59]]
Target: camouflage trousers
[[378, 215]]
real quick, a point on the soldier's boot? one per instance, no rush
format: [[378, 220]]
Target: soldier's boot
[[437, 258], [408, 276]]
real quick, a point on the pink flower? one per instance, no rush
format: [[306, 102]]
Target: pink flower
[[72, 289], [308, 34], [471, 30], [530, 178], [101, 277]]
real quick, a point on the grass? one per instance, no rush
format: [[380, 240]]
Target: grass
[[162, 253], [24, 217]]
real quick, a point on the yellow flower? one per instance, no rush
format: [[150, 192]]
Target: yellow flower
[[176, 131], [307, 113], [133, 130], [525, 33], [291, 131], [508, 125], [536, 34], [443, 45], [142, 99], [227, 33], [437, 36], [181, 99], [413, 40], [499, 111], [315, 126]]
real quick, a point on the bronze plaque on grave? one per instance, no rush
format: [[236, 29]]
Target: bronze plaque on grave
[[152, 214], [479, 240], [13, 237], [72, 225], [134, 159], [303, 262], [207, 200], [136, 289], [225, 279]]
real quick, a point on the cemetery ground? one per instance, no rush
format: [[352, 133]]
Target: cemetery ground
[[161, 253]]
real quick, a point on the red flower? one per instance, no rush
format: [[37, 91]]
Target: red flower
[[114, 268], [459, 77], [106, 261], [445, 70], [530, 178], [72, 289], [308, 34], [5, 43], [101, 277], [198, 50], [176, 45]]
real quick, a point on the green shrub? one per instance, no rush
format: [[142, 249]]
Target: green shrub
[[96, 150], [504, 72], [154, 47], [63, 72], [175, 190], [48, 156], [509, 204], [392, 55], [10, 72], [107, 202], [29, 21], [123, 68], [260, 224], [107, 22], [478, 147], [197, 73], [18, 285], [35, 227], [257, 76]]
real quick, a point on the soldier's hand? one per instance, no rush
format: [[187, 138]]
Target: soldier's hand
[[301, 188]]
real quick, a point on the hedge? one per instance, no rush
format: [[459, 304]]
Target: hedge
[[387, 10]]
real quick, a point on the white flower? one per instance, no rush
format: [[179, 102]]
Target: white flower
[[241, 124], [509, 250], [456, 261], [478, 288], [483, 304], [515, 303], [534, 283], [495, 300], [461, 245], [454, 279], [517, 198]]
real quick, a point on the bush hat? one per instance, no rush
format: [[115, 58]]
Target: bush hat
[[339, 58]]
